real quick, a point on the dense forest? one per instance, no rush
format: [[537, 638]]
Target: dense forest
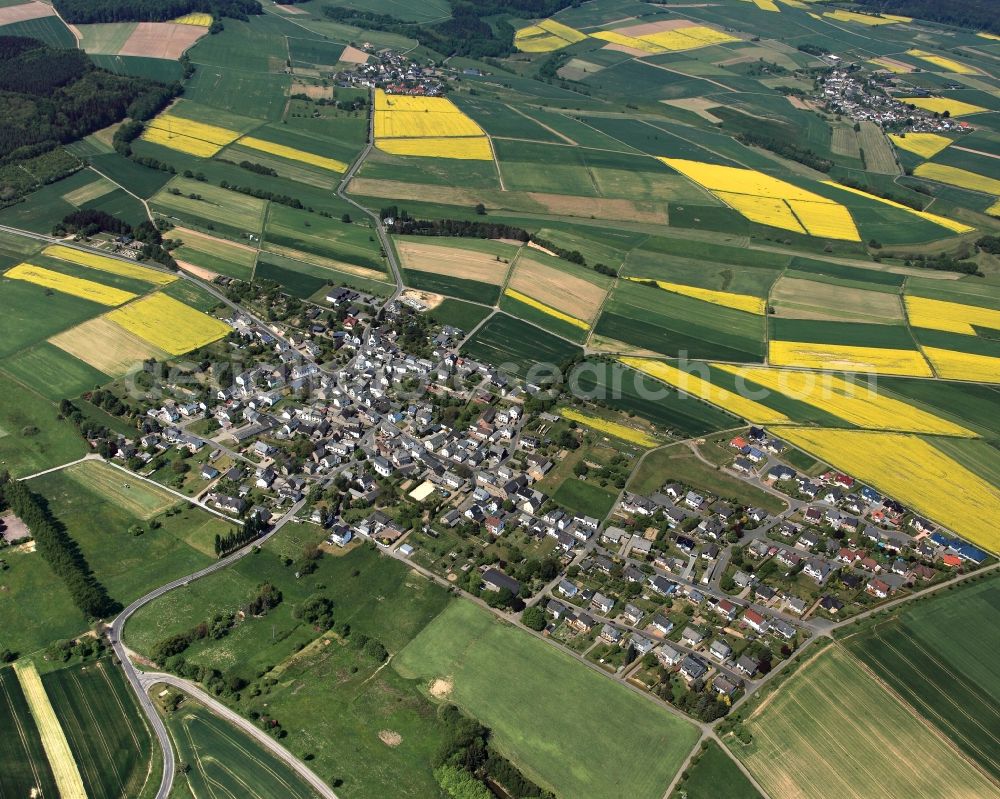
[[975, 14], [88, 11], [468, 32], [50, 97]]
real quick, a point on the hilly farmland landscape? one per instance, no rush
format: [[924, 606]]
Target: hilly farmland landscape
[[499, 399]]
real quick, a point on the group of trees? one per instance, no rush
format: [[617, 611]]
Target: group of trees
[[50, 96], [404, 224], [263, 194], [786, 149], [90, 11], [58, 550], [973, 14], [251, 530]]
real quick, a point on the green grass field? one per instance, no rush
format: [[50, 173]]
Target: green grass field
[[107, 732], [99, 511], [936, 655], [228, 209], [678, 463], [32, 437], [807, 741], [713, 776], [519, 687], [217, 255], [459, 287], [224, 761], [24, 768], [506, 340], [463, 315], [586, 498], [52, 372], [31, 314]]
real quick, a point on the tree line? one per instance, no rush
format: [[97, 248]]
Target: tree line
[[252, 529], [973, 14], [90, 11], [58, 550]]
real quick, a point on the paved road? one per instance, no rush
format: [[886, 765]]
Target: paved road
[[135, 677], [149, 679]]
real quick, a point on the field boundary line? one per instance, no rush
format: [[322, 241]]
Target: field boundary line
[[543, 126], [909, 329], [496, 161]]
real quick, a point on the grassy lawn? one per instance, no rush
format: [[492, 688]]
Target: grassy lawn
[[106, 731], [226, 762], [518, 686], [584, 497], [679, 464], [713, 775], [807, 741]]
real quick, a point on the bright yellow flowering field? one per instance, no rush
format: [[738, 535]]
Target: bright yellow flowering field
[[950, 224], [926, 145], [704, 34], [409, 102], [913, 471], [763, 210], [468, 148], [866, 19], [856, 403], [67, 284], [766, 5], [741, 302], [188, 136], [546, 36], [179, 142], [687, 38], [953, 317], [737, 180], [168, 324], [955, 108], [199, 19], [546, 309], [704, 389], [994, 210], [112, 265], [896, 67], [292, 154], [621, 431], [958, 177], [826, 219], [946, 64], [843, 358], [415, 124], [628, 41], [954, 365]]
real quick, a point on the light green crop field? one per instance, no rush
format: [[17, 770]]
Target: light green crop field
[[52, 371], [224, 761], [107, 732], [713, 776], [24, 769], [32, 437], [229, 208], [809, 742], [541, 704]]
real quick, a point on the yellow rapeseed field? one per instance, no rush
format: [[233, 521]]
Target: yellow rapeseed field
[[704, 389], [826, 220], [468, 148], [953, 317], [955, 108], [199, 19], [705, 35], [115, 266], [926, 145], [168, 324], [958, 177], [188, 136], [955, 365], [858, 403], [763, 210], [415, 124], [992, 36], [896, 67], [994, 210], [770, 201], [293, 154], [844, 358], [947, 64], [546, 309], [765, 5], [950, 224], [410, 102], [64, 769], [628, 41], [546, 36], [741, 302], [866, 19], [621, 431], [689, 38], [914, 472], [67, 284]]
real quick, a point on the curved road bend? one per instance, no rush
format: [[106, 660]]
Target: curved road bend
[[138, 682]]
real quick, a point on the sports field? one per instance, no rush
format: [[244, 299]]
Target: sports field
[[936, 655], [225, 761], [105, 728], [832, 730], [518, 686]]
